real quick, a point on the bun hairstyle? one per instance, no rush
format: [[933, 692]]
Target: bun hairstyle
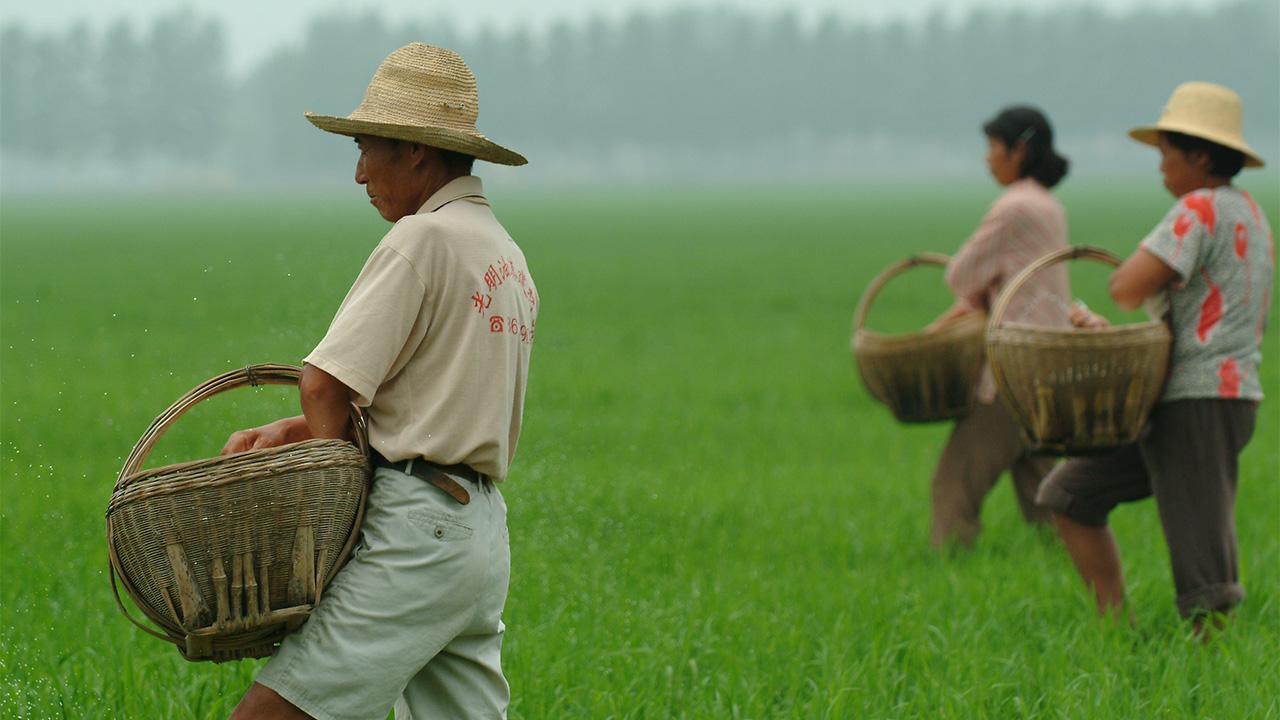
[[1023, 124]]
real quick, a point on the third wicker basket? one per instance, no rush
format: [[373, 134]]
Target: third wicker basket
[[922, 376], [1076, 391]]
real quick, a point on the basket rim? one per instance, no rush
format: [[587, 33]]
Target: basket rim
[[961, 328], [1126, 329], [1067, 336], [878, 282], [248, 376], [231, 469], [1070, 252], [246, 457], [1153, 334]]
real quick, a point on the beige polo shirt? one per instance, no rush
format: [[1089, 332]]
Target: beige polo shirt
[[434, 336]]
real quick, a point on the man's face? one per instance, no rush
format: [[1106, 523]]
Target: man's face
[[386, 169]]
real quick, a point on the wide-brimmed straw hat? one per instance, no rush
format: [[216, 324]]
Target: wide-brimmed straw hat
[[1204, 110], [426, 95]]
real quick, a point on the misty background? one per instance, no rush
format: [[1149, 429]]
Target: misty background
[[668, 94]]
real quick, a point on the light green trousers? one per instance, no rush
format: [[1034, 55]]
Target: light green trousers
[[414, 619]]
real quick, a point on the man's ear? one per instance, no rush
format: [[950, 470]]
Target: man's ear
[[420, 155]]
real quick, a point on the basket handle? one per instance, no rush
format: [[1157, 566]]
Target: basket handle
[[869, 295], [253, 376], [1074, 252]]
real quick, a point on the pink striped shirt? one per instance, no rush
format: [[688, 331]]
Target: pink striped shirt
[[1025, 223]]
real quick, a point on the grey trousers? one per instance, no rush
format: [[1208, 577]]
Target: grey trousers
[[983, 445]]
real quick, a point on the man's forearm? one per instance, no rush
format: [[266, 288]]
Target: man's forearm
[[326, 403], [293, 429]]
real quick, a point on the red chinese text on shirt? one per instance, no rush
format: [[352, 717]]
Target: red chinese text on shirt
[[495, 276]]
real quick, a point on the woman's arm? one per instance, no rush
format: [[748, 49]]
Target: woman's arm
[[975, 266], [1138, 278], [955, 312]]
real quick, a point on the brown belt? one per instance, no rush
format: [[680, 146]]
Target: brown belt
[[433, 473]]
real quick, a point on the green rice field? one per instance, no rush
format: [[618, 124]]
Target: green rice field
[[709, 516]]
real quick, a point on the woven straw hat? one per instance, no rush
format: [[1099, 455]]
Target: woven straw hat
[[1204, 110], [426, 95]]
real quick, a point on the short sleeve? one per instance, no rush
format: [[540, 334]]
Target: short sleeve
[[1179, 238], [373, 324]]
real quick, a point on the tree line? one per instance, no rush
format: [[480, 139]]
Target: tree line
[[685, 80]]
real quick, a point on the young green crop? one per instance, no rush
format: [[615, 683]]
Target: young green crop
[[709, 517]]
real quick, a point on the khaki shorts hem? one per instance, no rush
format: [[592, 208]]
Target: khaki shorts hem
[[299, 697], [1214, 598]]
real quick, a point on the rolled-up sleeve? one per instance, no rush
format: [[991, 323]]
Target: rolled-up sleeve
[[976, 267], [373, 324]]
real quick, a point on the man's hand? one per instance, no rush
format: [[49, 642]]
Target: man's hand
[[280, 432]]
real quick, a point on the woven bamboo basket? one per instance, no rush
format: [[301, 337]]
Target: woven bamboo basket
[[922, 376], [1077, 391], [226, 556]]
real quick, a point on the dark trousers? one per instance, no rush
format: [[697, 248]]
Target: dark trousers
[[982, 446], [1187, 458]]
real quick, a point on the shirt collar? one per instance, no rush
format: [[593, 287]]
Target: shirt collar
[[455, 189], [1024, 184]]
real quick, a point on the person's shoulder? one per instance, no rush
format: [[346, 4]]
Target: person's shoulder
[[1026, 196], [1201, 197], [415, 235], [1237, 201], [1204, 205]]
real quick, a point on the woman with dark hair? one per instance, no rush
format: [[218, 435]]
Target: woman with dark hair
[[1214, 256], [1025, 223]]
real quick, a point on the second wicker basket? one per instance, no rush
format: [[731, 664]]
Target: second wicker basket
[[1076, 391]]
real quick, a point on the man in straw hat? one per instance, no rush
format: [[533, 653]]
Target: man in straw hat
[[433, 339], [1213, 256]]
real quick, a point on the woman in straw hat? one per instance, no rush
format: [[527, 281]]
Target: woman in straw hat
[[414, 619], [1213, 256], [1024, 223]]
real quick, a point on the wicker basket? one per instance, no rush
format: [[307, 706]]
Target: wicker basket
[[922, 376], [1077, 391], [228, 555]]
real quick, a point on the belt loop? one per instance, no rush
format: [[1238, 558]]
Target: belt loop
[[408, 466]]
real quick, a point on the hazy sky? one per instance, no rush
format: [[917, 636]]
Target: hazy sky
[[257, 26]]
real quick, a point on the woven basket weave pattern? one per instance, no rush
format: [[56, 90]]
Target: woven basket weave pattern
[[1076, 392], [228, 555], [920, 376]]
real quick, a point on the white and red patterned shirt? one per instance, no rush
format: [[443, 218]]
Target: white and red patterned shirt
[[1221, 247], [1025, 223]]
